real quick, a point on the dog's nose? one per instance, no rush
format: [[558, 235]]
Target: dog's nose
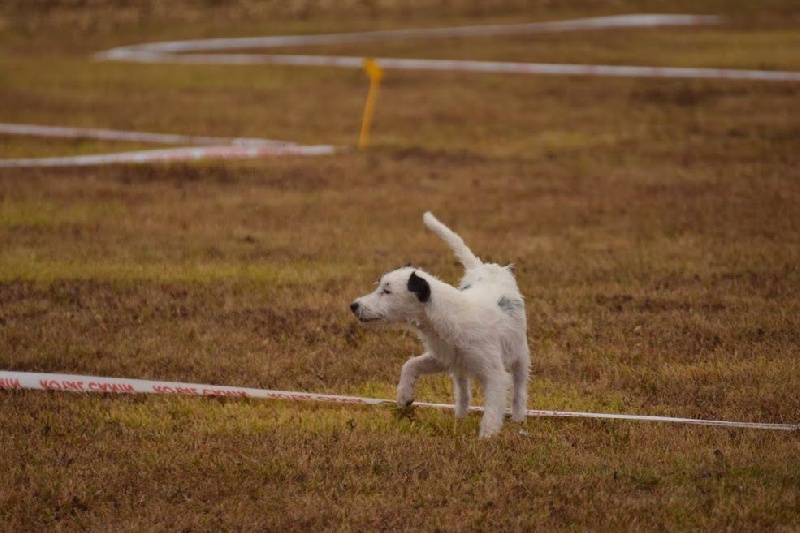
[[354, 307]]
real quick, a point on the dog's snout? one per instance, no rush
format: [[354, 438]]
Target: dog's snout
[[354, 307]]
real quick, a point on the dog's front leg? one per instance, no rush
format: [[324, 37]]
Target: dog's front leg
[[412, 369], [463, 396]]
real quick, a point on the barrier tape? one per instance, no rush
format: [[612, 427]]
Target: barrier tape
[[186, 51], [210, 147], [76, 383], [455, 65], [484, 30], [132, 136], [169, 155]]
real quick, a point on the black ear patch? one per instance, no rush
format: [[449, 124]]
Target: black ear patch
[[420, 287]]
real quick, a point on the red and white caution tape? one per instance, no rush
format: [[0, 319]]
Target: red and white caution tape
[[208, 147], [489, 67], [278, 41], [187, 51], [191, 153], [132, 136], [75, 383]]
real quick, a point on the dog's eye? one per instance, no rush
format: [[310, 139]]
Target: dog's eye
[[386, 291]]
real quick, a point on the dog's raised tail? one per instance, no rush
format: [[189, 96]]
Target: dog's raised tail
[[456, 243]]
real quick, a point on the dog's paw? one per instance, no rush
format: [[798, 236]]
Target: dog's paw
[[405, 395], [519, 414], [487, 433], [489, 427], [404, 402], [461, 410]]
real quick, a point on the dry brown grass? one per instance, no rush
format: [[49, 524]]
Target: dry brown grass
[[655, 224]]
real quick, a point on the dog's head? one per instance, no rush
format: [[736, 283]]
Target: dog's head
[[400, 296]]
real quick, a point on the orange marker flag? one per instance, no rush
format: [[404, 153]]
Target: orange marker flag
[[375, 73]]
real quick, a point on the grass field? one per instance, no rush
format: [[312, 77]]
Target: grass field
[[655, 225]]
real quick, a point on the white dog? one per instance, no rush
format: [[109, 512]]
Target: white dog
[[477, 331]]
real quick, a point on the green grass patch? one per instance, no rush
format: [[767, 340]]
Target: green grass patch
[[39, 213]]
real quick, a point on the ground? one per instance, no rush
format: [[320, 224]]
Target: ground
[[654, 224]]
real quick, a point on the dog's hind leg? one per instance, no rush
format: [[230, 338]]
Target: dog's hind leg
[[519, 374], [412, 369], [494, 404]]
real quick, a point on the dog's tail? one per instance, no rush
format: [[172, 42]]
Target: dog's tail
[[456, 243]]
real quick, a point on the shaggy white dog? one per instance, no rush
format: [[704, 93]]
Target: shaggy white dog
[[476, 331]]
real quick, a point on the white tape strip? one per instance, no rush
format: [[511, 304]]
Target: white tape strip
[[221, 147], [132, 136], [186, 51], [279, 41], [490, 67], [75, 383], [169, 155]]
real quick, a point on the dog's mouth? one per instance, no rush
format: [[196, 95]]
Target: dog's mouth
[[364, 314]]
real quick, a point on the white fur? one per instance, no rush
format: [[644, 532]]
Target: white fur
[[477, 331]]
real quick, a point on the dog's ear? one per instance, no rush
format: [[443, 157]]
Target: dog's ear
[[511, 267], [420, 287]]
